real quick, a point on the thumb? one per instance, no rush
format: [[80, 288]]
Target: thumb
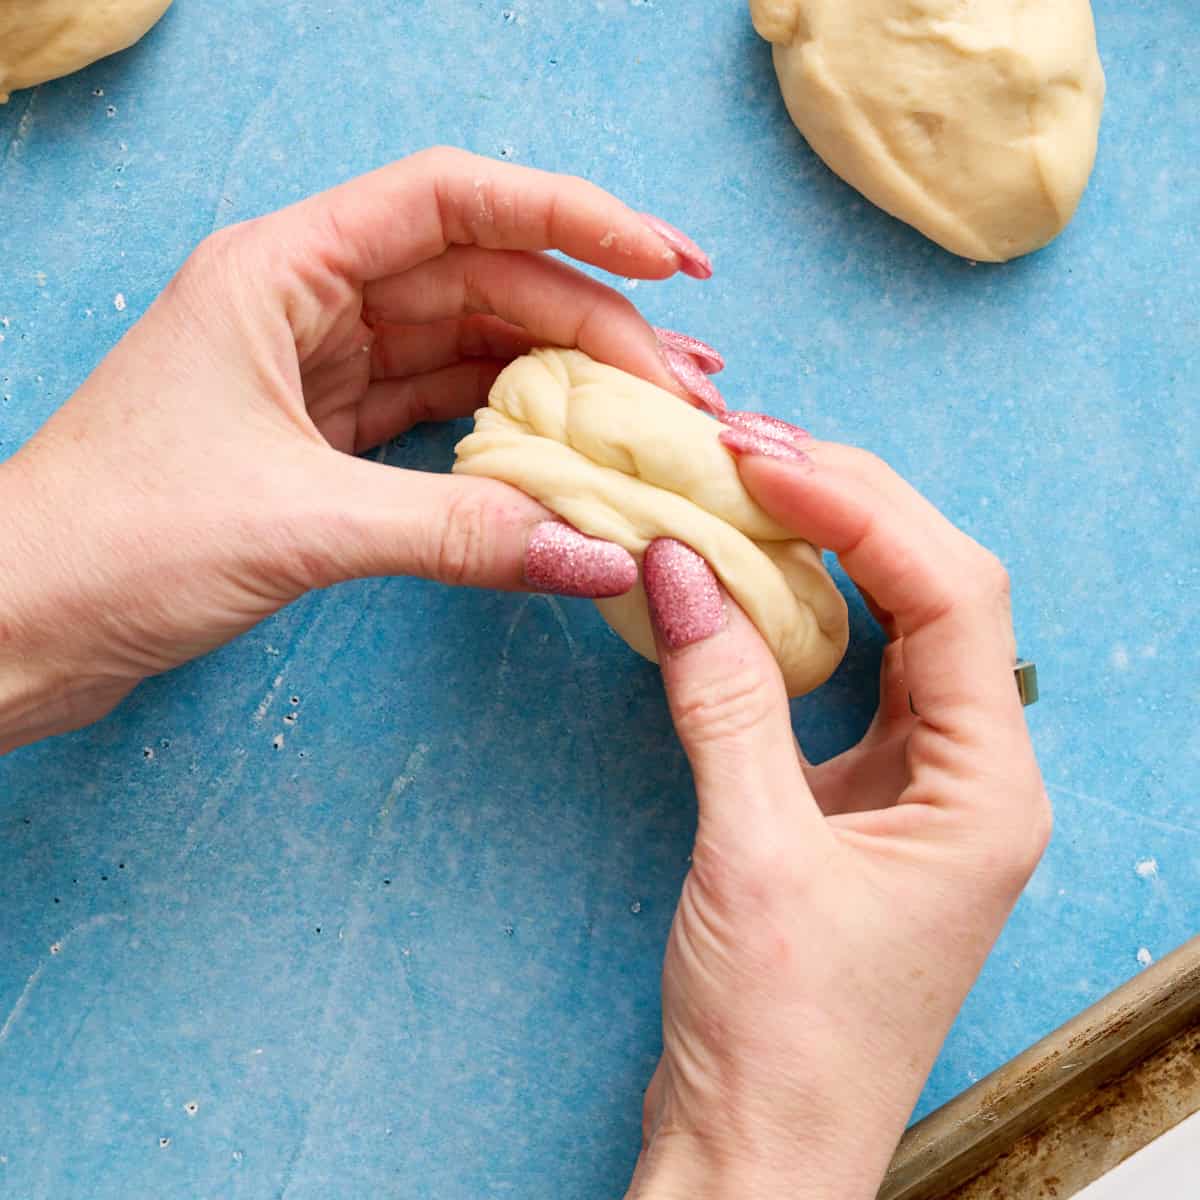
[[381, 520], [730, 709]]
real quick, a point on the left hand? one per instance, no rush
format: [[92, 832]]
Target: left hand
[[203, 476]]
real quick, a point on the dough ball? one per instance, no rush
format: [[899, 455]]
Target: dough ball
[[973, 120], [43, 39], [624, 460]]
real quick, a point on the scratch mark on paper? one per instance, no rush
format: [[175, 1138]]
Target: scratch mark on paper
[[56, 950], [16, 144], [403, 781], [22, 1000], [246, 131], [265, 703], [509, 635], [332, 1010], [1171, 826]]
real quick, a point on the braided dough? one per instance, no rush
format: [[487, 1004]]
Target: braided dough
[[624, 460], [973, 120]]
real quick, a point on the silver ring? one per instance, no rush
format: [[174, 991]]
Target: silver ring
[[1025, 674], [1026, 677]]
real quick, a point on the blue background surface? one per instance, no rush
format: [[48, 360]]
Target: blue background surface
[[414, 949]]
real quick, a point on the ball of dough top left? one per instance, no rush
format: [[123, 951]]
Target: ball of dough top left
[[623, 460], [43, 39]]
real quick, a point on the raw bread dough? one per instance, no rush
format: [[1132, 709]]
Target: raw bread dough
[[43, 39], [974, 120], [624, 460]]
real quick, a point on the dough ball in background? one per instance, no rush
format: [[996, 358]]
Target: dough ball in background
[[43, 39], [973, 120]]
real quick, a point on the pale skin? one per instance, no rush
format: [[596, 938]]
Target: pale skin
[[204, 476]]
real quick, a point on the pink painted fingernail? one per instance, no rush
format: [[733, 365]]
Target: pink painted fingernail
[[693, 380], [565, 562], [742, 441], [768, 426], [682, 593], [692, 260], [707, 359]]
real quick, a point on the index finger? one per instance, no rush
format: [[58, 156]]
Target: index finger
[[947, 595], [389, 220]]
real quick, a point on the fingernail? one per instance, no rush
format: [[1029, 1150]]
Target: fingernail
[[693, 380], [707, 359], [565, 562], [741, 441], [768, 426], [682, 593], [692, 260]]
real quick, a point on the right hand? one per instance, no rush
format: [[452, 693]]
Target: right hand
[[834, 916]]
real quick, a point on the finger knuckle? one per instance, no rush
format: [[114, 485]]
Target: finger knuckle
[[724, 707], [992, 576], [221, 250], [758, 889], [461, 543], [1016, 850], [1039, 830], [441, 155], [747, 879], [985, 582], [606, 311], [867, 461]]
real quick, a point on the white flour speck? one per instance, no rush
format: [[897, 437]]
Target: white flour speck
[[608, 239], [1147, 868], [277, 742], [1144, 957], [119, 302]]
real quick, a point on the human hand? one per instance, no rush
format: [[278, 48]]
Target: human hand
[[834, 916], [203, 476]]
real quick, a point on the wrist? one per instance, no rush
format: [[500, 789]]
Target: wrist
[[43, 689], [684, 1167]]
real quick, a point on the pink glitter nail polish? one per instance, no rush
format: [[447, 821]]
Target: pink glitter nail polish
[[693, 380], [564, 562], [684, 598], [768, 426], [707, 359], [692, 260], [742, 441]]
